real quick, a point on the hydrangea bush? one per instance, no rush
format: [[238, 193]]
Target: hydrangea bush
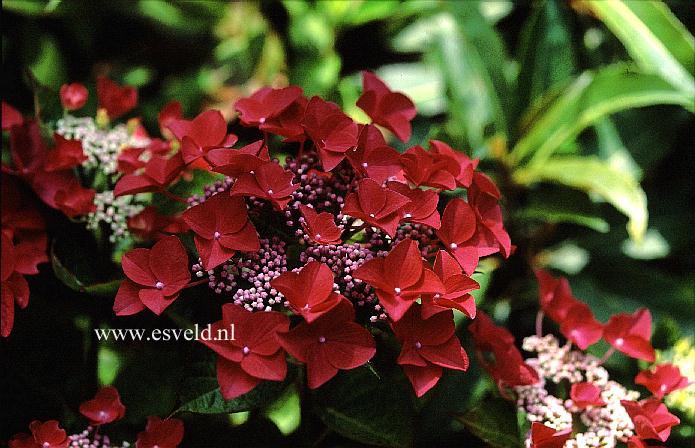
[[324, 248]]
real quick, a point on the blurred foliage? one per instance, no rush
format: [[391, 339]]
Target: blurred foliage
[[581, 110]]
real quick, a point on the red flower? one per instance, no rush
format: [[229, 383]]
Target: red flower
[[483, 197], [376, 205], [170, 113], [222, 227], [507, 367], [205, 132], [266, 104], [545, 437], [269, 181], [390, 109], [425, 168], [586, 394], [466, 165], [159, 172], [580, 326], [372, 157], [160, 433], [15, 288], [630, 334], [651, 419], [555, 295], [67, 154], [320, 227], [155, 277], [75, 200], [309, 291], [333, 132], [400, 278], [457, 287], [290, 122], [24, 244], [662, 380], [422, 208], [10, 117], [73, 96], [332, 342], [457, 233], [149, 224], [254, 355], [19, 213], [105, 407], [427, 346], [47, 434], [117, 100], [132, 159], [488, 336], [235, 162]]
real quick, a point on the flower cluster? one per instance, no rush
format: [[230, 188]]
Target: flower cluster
[[24, 244], [104, 408], [343, 234], [562, 389]]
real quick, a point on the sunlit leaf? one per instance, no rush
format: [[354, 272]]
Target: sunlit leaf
[[653, 36], [593, 95], [594, 176]]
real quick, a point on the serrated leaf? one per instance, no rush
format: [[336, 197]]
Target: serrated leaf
[[655, 39], [494, 422], [592, 96], [359, 406], [201, 394], [594, 176]]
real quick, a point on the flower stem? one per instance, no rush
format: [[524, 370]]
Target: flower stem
[[607, 355], [539, 324]]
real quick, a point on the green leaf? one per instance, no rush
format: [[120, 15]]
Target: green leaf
[[201, 393], [655, 39], [81, 284], [475, 109], [494, 422], [594, 176], [592, 96], [31, 7], [546, 54], [286, 412], [558, 216], [369, 11], [48, 66], [359, 406]]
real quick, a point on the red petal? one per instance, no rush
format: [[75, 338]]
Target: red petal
[[350, 346], [154, 300], [10, 117], [127, 301], [169, 263], [136, 266], [404, 264], [134, 184], [450, 354], [422, 378], [208, 128], [319, 369], [272, 367], [211, 252], [233, 380]]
